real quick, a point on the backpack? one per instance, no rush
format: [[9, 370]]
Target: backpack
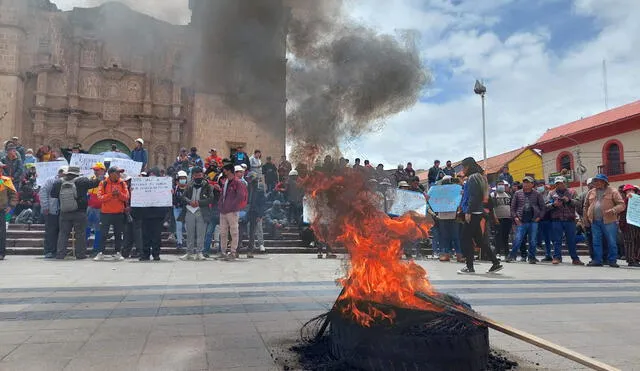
[[68, 196]]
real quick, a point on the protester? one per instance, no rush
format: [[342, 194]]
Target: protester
[[132, 226], [294, 195], [195, 159], [603, 204], [8, 200], [93, 208], [214, 158], [545, 227], [505, 176], [434, 174], [255, 214], [527, 209], [232, 200], [255, 163], [182, 161], [357, 166], [29, 202], [113, 193], [140, 154], [631, 232], [178, 207], [44, 154], [400, 175], [449, 170], [270, 174], [15, 141], [71, 192], [240, 172], [197, 196], [50, 211], [240, 157], [448, 231], [562, 205], [475, 194], [580, 210], [14, 167], [501, 200], [284, 167], [276, 220], [152, 222], [29, 158], [213, 224]]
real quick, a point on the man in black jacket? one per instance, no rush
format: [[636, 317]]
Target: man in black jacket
[[152, 220], [255, 213], [198, 196], [77, 219]]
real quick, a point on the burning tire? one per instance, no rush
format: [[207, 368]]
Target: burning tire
[[417, 340]]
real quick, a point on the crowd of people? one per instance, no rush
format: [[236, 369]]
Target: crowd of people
[[219, 201]]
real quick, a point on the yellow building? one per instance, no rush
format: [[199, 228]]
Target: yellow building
[[521, 162]]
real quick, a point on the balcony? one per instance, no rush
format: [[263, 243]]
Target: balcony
[[612, 169]]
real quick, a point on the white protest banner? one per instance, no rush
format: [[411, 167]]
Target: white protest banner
[[633, 211], [132, 168], [85, 162], [405, 201], [151, 192], [46, 170]]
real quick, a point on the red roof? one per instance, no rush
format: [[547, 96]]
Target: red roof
[[603, 118]]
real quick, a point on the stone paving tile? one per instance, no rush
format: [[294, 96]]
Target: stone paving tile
[[174, 344], [239, 358], [35, 364], [61, 336], [101, 362], [178, 360], [14, 337], [221, 342], [119, 347], [26, 352]]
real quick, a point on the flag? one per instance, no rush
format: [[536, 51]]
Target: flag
[[6, 182]]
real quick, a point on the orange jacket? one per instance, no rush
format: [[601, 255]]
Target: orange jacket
[[113, 204]]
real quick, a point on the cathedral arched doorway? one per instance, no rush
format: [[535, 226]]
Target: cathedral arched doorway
[[105, 146]]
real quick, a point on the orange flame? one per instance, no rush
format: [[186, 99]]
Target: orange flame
[[346, 212]]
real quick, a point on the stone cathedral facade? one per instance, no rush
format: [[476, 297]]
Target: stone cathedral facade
[[105, 75]]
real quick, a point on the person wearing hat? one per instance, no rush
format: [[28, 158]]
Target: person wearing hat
[[602, 206], [232, 200], [148, 224], [403, 185], [294, 195], [197, 196], [93, 207], [50, 211], [474, 196], [527, 209], [15, 141], [213, 158], [140, 154], [240, 172], [562, 203], [114, 195], [14, 167], [501, 200], [255, 213], [630, 232], [545, 229], [8, 200], [29, 158], [71, 193]]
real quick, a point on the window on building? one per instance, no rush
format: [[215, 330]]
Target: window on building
[[565, 162], [614, 164]]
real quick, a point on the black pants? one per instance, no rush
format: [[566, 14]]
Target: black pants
[[76, 220], [132, 237], [474, 231], [3, 234], [152, 236], [502, 239], [106, 221], [51, 230], [251, 227]]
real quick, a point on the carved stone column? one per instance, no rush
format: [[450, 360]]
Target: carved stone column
[[176, 103], [39, 125], [146, 132], [41, 88], [72, 127], [74, 74], [176, 128]]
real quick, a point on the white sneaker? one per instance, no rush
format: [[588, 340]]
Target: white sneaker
[[118, 256], [186, 257], [199, 256], [99, 257], [262, 248]]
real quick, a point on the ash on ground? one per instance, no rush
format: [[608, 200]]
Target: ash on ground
[[315, 356]]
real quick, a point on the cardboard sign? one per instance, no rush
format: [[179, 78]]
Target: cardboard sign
[[633, 211], [151, 192], [85, 162], [132, 168], [405, 201], [46, 170], [445, 198]]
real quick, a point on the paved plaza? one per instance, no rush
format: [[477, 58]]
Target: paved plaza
[[173, 315]]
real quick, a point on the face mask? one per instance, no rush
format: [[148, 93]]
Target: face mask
[[29, 155], [183, 181], [198, 181], [500, 188], [540, 189]]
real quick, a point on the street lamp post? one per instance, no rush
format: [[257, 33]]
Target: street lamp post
[[481, 90], [581, 169]]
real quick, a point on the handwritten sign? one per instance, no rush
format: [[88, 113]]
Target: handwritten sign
[[85, 162], [46, 170], [151, 192], [633, 211], [405, 201], [445, 198], [132, 168]]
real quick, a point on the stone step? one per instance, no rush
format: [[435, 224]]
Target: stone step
[[40, 227], [20, 234], [173, 251], [39, 242]]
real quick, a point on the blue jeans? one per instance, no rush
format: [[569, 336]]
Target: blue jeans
[[179, 225], [601, 232], [93, 224], [449, 231], [567, 229], [546, 233], [521, 230], [211, 228]]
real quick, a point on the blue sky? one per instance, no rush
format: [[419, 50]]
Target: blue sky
[[541, 61]]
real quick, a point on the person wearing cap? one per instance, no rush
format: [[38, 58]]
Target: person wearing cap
[[294, 194], [240, 172], [240, 157], [270, 172], [114, 195], [214, 158], [93, 207], [545, 228], [562, 203], [501, 200], [14, 167], [197, 196], [527, 209], [403, 184], [630, 232], [602, 206], [232, 200], [140, 154], [50, 211], [179, 207], [74, 219], [8, 200], [474, 196], [152, 220], [19, 147], [29, 158], [195, 159]]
